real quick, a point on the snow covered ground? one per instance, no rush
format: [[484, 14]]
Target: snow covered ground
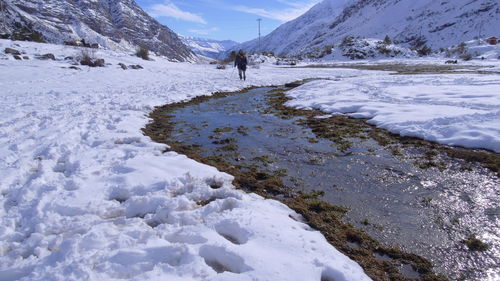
[[85, 196], [453, 109]]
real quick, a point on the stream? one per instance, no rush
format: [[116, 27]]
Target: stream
[[426, 211]]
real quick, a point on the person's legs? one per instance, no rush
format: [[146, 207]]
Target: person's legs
[[244, 75], [240, 73]]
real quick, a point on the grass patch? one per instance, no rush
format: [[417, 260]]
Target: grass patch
[[312, 140], [263, 159], [475, 244], [312, 195], [365, 222], [229, 147], [224, 141], [223, 130], [403, 69], [242, 130]]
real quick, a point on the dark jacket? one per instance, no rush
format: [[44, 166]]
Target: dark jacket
[[241, 62]]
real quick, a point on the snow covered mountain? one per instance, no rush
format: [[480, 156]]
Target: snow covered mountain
[[435, 23], [208, 47], [117, 24]]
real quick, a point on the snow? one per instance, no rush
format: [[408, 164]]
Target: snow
[[85, 195], [453, 109]]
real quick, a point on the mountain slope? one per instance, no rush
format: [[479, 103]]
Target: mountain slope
[[208, 47], [118, 24], [292, 36], [435, 23]]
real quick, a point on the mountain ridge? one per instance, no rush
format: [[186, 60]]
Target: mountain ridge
[[116, 24], [208, 47], [438, 24]]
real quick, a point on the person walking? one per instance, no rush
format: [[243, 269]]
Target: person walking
[[241, 62]]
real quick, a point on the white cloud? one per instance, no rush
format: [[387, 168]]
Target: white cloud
[[170, 10], [297, 9], [295, 4], [204, 31]]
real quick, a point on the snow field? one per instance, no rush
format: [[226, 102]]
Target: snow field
[[452, 109], [85, 196]]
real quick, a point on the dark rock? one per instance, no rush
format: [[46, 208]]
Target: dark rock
[[135, 66], [292, 85], [12, 51], [123, 66], [46, 57], [94, 46], [69, 58], [93, 63], [17, 57], [86, 61], [99, 63], [70, 43], [74, 67], [83, 43], [26, 57]]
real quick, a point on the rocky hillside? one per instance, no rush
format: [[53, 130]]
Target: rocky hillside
[[436, 23], [117, 24]]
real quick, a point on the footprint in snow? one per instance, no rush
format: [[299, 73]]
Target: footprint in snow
[[221, 260], [232, 232]]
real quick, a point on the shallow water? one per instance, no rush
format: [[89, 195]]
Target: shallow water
[[424, 211]]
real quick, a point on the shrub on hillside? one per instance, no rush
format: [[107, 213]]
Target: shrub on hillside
[[328, 49], [462, 48], [267, 54], [387, 40], [382, 48], [466, 56], [424, 51], [143, 53], [459, 50], [89, 58], [26, 34], [230, 58], [418, 42], [348, 41]]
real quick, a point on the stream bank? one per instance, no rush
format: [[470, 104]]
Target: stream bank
[[347, 179]]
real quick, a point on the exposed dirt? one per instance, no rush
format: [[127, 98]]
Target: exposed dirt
[[402, 69]]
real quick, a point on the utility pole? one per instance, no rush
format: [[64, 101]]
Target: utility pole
[[480, 30], [259, 20]]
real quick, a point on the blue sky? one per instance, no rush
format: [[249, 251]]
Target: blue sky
[[224, 19]]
